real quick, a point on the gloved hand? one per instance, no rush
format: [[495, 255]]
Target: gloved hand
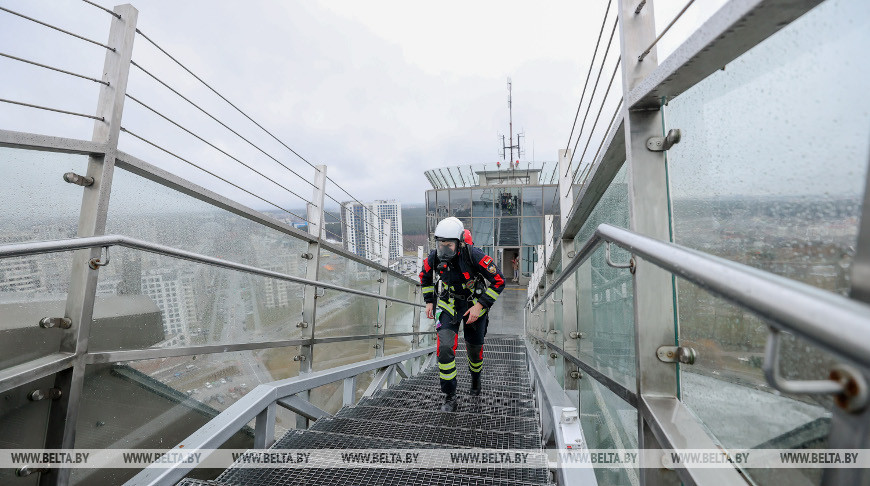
[[473, 313]]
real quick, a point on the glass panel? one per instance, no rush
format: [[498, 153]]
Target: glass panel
[[339, 270], [395, 345], [400, 317], [527, 263], [328, 397], [37, 204], [427, 325], [612, 208], [508, 201], [608, 423], [557, 231], [333, 355], [156, 403], [533, 231], [605, 315], [343, 314], [20, 417], [769, 201], [605, 300], [147, 210], [400, 289], [460, 202], [557, 325], [154, 300], [31, 287], [551, 203], [482, 231], [533, 201], [508, 231], [483, 202], [727, 386], [467, 224], [442, 198]]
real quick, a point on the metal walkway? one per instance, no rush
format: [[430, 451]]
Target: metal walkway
[[406, 416]]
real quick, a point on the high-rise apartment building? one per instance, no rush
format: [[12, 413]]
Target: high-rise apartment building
[[166, 290], [362, 228]]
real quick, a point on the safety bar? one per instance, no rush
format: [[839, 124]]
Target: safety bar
[[35, 248], [560, 420], [836, 323], [219, 429]]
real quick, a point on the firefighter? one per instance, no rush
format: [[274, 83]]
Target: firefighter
[[454, 280]]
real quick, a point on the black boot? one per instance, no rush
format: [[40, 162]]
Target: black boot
[[450, 403], [475, 385]]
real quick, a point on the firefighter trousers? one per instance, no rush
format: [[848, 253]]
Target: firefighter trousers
[[449, 319]]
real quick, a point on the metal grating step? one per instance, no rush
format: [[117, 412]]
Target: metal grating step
[[428, 433], [313, 439], [447, 419], [318, 439], [406, 416], [437, 397], [507, 356], [200, 482], [515, 379], [465, 406], [488, 389], [464, 380], [500, 367], [464, 376], [508, 376], [363, 476]]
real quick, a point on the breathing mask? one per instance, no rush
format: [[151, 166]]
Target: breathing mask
[[447, 249]]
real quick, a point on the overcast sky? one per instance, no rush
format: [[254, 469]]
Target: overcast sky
[[377, 91]]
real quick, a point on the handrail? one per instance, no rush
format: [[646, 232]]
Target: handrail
[[836, 323], [144, 169], [559, 417], [220, 428], [35, 248]]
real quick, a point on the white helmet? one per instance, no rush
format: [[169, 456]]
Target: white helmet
[[449, 229], [448, 235]]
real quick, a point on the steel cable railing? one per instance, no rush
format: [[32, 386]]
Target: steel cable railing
[[591, 96], [588, 109], [113, 14], [245, 139], [243, 113], [645, 53], [213, 174], [588, 75], [21, 103], [3, 54], [191, 133], [594, 89], [588, 169], [57, 28], [595, 123], [170, 88]]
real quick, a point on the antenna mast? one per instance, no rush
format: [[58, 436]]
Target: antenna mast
[[509, 149]]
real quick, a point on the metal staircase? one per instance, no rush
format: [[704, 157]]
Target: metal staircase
[[406, 416]]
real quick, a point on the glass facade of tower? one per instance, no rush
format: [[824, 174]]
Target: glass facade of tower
[[505, 211]]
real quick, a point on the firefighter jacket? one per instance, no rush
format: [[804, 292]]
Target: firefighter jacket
[[459, 277]]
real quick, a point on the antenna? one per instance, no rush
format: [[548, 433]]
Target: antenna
[[509, 149]]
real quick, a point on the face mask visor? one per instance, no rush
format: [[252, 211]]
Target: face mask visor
[[446, 249]]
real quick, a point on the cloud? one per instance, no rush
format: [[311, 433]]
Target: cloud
[[379, 92]]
